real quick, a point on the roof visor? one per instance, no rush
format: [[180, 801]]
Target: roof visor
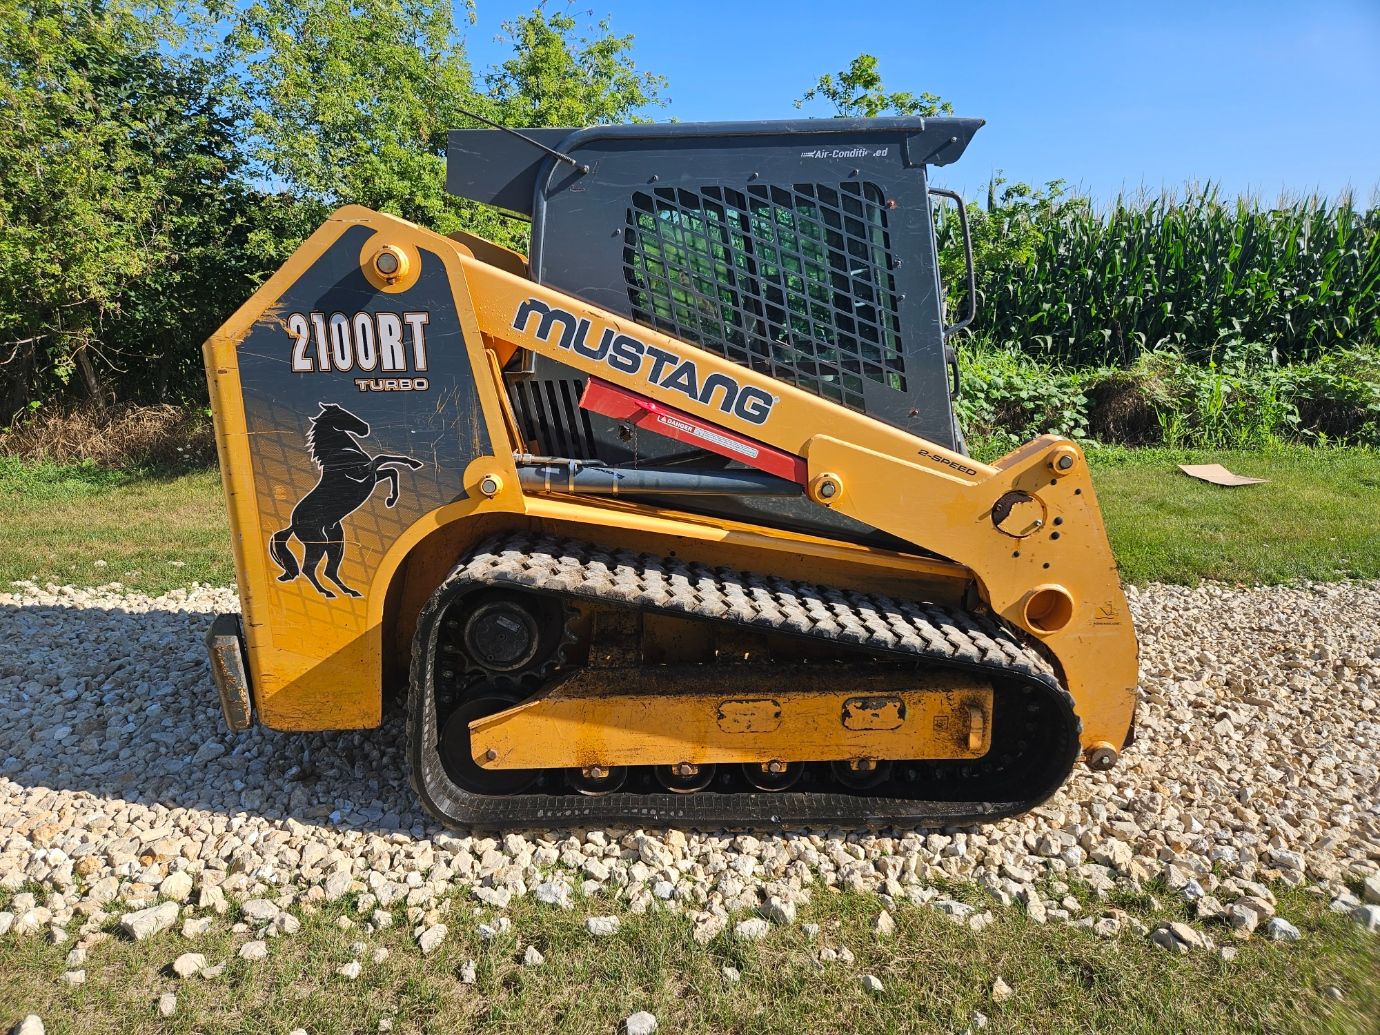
[[498, 168]]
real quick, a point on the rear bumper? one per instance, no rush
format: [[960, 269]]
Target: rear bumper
[[225, 646]]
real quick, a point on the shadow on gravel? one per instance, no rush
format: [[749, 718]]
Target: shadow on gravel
[[119, 704]]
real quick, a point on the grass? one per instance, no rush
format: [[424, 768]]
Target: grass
[[83, 525], [1316, 519], [1311, 521], [936, 975]]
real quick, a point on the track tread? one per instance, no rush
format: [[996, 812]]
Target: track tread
[[869, 622]]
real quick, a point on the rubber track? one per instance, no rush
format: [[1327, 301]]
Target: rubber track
[[870, 623]]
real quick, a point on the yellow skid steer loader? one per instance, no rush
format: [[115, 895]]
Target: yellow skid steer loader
[[669, 520]]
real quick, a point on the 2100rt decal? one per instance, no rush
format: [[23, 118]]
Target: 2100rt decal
[[378, 343]]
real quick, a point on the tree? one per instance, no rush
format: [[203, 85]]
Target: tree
[[858, 90], [158, 162], [108, 136], [555, 78], [349, 101]]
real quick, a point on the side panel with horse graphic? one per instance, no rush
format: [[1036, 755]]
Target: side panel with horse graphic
[[348, 478], [361, 415]]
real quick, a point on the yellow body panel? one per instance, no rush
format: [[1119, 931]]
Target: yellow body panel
[[670, 717], [320, 663]]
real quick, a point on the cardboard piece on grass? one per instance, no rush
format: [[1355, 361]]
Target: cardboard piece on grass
[[1218, 475]]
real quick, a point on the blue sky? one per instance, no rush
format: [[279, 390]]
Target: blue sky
[[1261, 97]]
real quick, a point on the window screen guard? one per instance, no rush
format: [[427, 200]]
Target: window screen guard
[[795, 282]]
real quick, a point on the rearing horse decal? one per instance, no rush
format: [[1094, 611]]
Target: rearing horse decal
[[348, 477]]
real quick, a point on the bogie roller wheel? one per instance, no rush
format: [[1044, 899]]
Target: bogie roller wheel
[[772, 776], [683, 778], [597, 780], [461, 767], [861, 777]]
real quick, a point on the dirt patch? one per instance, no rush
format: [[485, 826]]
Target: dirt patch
[[1120, 410], [165, 438]]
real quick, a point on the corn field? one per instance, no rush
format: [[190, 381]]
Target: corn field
[[1191, 273]]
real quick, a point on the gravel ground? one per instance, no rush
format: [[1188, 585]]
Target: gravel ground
[[1256, 762]]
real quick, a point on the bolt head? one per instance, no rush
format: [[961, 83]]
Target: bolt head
[[1065, 462], [491, 755]]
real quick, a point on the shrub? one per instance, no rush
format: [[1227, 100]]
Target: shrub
[[162, 438]]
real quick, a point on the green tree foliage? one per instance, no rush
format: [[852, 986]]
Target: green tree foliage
[[158, 164], [103, 136], [349, 101], [858, 90], [559, 78]]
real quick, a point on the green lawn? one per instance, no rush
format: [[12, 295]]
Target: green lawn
[[1315, 519], [85, 526], [1318, 518], [936, 976]]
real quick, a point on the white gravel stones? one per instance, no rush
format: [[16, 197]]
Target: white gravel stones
[[751, 930], [1178, 938], [430, 939], [1001, 991], [255, 950], [259, 910], [145, 923], [30, 1025], [554, 893], [176, 886], [349, 971], [601, 926], [167, 1004], [640, 1023], [1368, 917], [884, 926], [492, 932], [189, 963], [871, 983], [467, 973], [779, 911], [731, 974], [1254, 764], [1281, 930], [74, 977], [337, 885], [532, 957], [195, 927]]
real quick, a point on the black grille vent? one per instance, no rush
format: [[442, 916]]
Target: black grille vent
[[795, 283], [549, 415]]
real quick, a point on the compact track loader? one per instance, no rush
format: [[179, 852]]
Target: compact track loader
[[670, 520]]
